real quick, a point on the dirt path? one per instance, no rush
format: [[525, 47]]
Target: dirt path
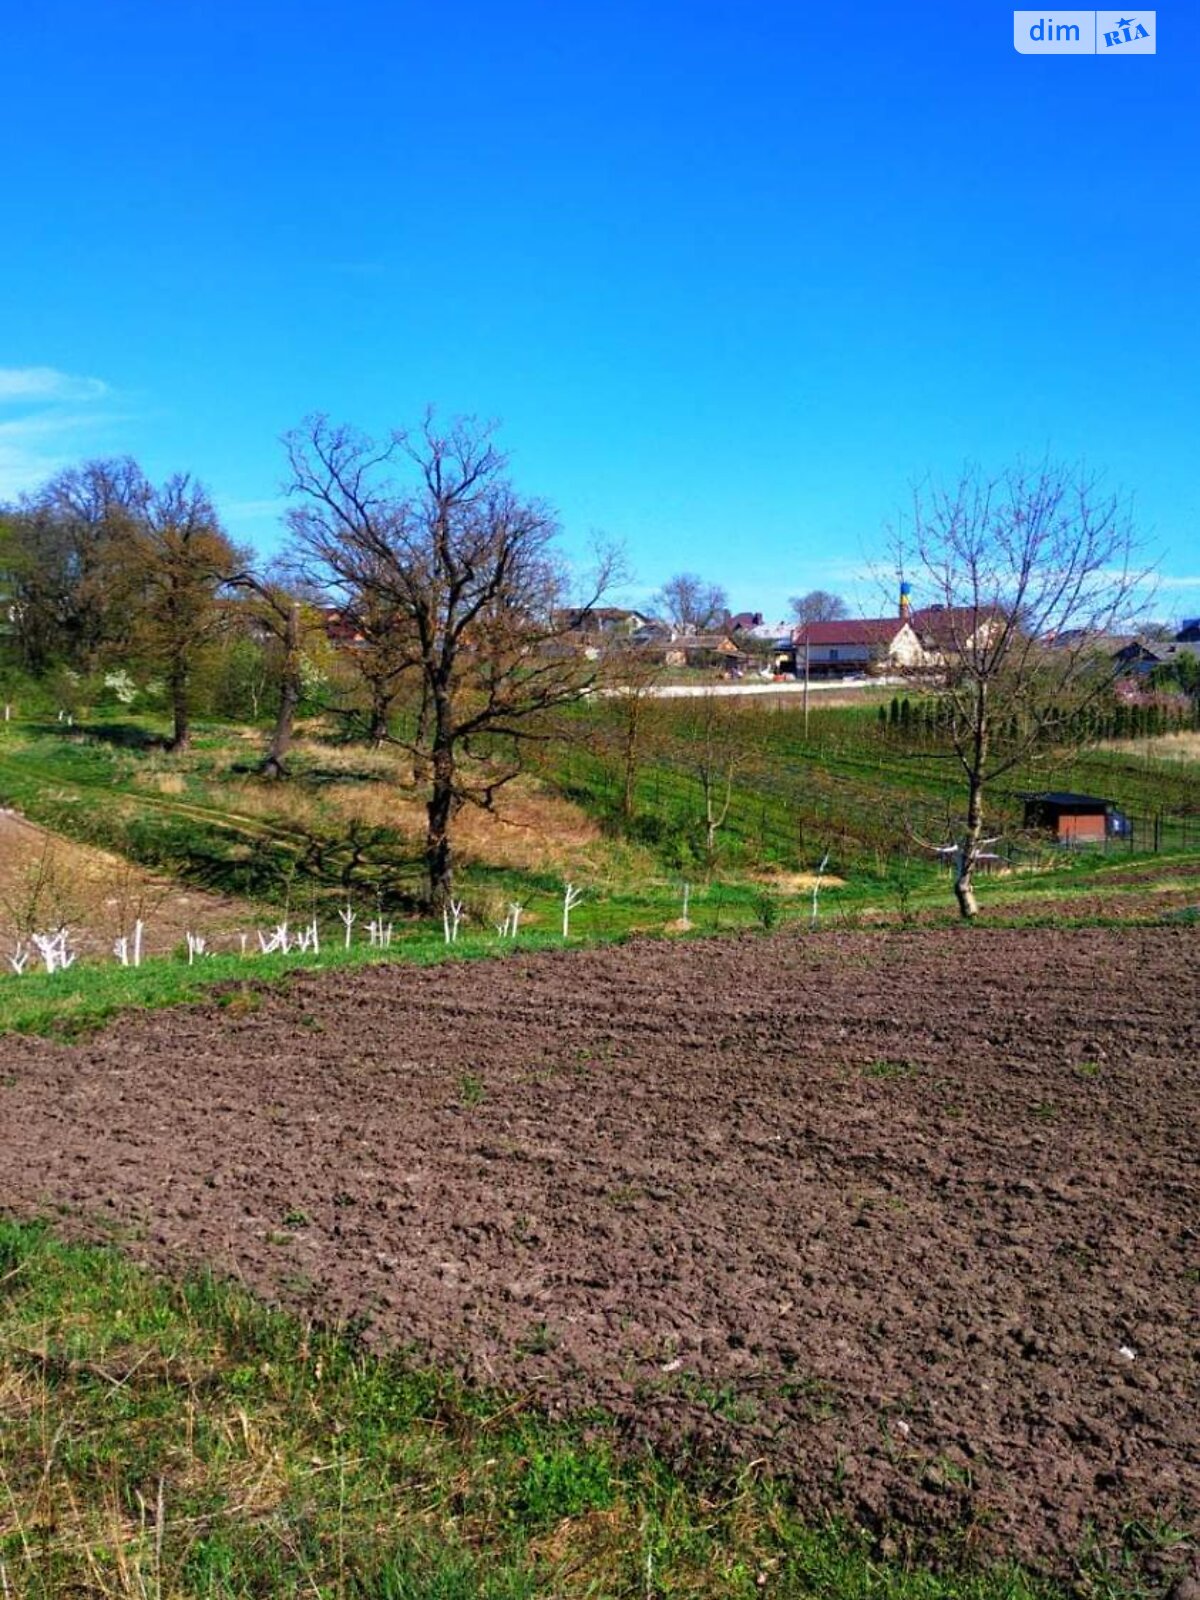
[[47, 880], [912, 1217]]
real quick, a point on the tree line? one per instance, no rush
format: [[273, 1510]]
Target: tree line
[[449, 594], [454, 609]]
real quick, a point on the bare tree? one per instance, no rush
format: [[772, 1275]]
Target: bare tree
[[428, 524], [691, 604], [633, 677], [714, 750], [173, 564], [818, 605], [1025, 572], [291, 625]]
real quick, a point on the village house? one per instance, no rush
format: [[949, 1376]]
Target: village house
[[701, 650], [1075, 818], [945, 632], [605, 622], [910, 641], [856, 645]]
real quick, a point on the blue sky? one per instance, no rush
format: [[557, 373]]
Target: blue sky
[[731, 278]]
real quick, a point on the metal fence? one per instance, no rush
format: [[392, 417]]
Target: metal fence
[[1156, 832]]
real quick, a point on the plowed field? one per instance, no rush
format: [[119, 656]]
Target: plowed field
[[910, 1217]]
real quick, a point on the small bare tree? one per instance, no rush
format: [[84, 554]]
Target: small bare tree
[[632, 677], [293, 626], [714, 750], [1026, 572], [384, 663], [427, 524]]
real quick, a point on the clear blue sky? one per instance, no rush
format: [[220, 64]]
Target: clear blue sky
[[731, 277]]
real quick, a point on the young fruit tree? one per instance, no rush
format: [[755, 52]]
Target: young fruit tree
[[1026, 575], [632, 680], [426, 526], [712, 748]]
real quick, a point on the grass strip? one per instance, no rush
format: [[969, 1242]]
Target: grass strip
[[181, 1440]]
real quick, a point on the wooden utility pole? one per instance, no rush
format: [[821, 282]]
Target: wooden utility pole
[[806, 681]]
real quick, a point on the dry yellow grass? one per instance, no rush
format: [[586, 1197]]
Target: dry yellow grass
[[1163, 747], [386, 763], [47, 881], [281, 803], [798, 882], [529, 830], [160, 782]]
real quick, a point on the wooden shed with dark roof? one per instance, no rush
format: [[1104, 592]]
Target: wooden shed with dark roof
[[1075, 818]]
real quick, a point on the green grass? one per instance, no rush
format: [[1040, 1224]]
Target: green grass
[[88, 787], [848, 786], [84, 784], [179, 1440], [90, 993]]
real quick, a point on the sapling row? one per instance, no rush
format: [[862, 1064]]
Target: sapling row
[[54, 949], [451, 917], [56, 953], [128, 949]]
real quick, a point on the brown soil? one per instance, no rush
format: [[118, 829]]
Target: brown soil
[[910, 1217]]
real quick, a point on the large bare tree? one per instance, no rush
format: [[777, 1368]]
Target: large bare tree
[[173, 563], [1024, 573], [427, 525], [818, 605], [690, 603]]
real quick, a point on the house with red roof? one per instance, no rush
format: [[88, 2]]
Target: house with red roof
[[948, 631], [856, 645]]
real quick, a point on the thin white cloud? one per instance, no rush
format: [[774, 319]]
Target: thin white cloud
[[48, 419], [46, 385]]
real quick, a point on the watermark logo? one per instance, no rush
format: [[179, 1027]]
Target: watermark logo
[[1084, 33], [1127, 35]]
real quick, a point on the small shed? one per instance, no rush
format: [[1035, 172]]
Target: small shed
[[1076, 818]]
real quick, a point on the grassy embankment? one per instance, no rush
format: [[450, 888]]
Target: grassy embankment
[[347, 828], [867, 793], [182, 1441]]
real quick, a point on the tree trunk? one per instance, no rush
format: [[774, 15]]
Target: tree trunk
[[180, 709], [377, 732], [439, 850], [629, 790], [420, 765], [968, 851], [274, 762]]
